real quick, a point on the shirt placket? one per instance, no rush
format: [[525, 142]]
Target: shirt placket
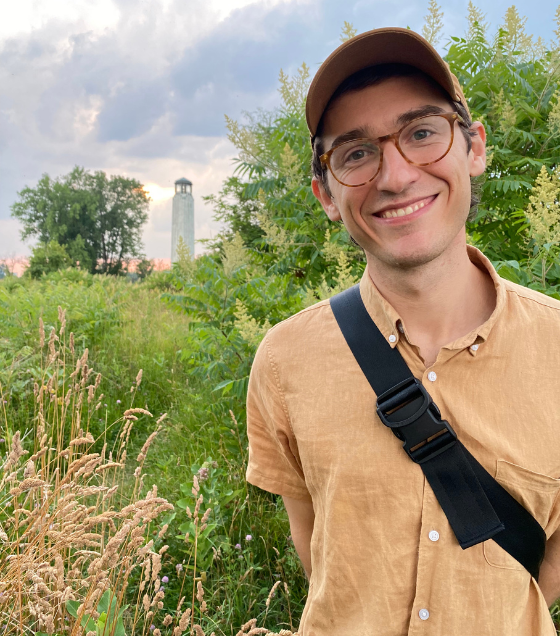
[[435, 535]]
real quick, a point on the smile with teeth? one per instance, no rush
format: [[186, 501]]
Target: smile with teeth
[[388, 214]]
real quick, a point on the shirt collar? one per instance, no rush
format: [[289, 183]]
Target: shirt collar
[[392, 327]]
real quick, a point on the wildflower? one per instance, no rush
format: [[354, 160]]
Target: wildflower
[[118, 401], [235, 254], [543, 212], [165, 579], [238, 546], [203, 474], [179, 567], [248, 538], [249, 328], [162, 589], [152, 627], [2, 440]]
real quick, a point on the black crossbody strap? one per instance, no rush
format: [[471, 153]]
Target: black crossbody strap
[[476, 505]]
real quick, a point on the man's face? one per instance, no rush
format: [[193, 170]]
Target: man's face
[[441, 191]]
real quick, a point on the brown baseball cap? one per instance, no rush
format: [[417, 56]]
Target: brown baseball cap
[[380, 46]]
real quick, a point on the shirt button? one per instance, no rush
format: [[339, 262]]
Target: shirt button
[[392, 338], [434, 535], [474, 347], [424, 614], [432, 377]]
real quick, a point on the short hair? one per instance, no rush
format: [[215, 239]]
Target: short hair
[[374, 75]]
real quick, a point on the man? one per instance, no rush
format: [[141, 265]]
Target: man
[[375, 543]]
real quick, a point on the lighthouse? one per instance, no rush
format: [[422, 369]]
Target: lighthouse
[[183, 217]]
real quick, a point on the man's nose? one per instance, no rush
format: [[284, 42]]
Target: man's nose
[[396, 173]]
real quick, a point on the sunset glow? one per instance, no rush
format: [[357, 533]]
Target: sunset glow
[[157, 193]]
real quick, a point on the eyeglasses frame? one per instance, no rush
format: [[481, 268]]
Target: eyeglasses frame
[[325, 158]]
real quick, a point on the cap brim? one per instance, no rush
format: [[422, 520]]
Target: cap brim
[[381, 46]]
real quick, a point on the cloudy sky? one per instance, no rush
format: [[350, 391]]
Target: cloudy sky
[[140, 87]]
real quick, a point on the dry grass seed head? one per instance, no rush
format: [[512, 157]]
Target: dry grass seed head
[[144, 451], [272, 593]]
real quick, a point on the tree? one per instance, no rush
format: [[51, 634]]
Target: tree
[[98, 219], [144, 268], [47, 257]]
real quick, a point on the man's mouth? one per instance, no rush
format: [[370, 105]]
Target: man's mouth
[[405, 210]]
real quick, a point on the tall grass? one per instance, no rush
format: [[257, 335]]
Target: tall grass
[[242, 548]]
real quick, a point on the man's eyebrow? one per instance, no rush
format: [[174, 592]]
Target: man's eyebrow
[[357, 133], [414, 113]]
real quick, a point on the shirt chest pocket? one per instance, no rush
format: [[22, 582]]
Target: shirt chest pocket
[[537, 493]]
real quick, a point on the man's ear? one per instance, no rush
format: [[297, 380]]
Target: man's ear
[[477, 155], [325, 199]]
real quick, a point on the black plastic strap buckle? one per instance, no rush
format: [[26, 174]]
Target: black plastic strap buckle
[[408, 410]]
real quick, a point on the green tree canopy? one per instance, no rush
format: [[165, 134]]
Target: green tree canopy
[[97, 218], [48, 257]]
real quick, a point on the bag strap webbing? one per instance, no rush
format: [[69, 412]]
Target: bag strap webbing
[[476, 505]]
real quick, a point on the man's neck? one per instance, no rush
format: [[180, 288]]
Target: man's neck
[[438, 302]]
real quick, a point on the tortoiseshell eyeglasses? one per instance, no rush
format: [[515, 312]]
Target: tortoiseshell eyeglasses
[[421, 142]]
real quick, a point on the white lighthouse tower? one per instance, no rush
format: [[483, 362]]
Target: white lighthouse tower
[[183, 217]]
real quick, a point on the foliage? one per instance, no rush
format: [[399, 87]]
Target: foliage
[[543, 216], [144, 268], [348, 32], [510, 83], [109, 618], [47, 257], [98, 219], [433, 24]]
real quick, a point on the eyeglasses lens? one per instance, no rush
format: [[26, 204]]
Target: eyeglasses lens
[[423, 141]]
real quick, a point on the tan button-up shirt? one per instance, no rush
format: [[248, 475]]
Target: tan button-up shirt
[[385, 560]]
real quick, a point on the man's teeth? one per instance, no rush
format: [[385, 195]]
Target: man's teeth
[[388, 214]]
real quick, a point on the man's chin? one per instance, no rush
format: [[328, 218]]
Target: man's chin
[[405, 260]]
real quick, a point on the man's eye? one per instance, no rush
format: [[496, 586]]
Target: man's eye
[[358, 154], [420, 135]]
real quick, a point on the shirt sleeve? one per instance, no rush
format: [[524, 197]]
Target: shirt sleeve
[[274, 463]]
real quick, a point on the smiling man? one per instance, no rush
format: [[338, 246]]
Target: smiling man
[[394, 151]]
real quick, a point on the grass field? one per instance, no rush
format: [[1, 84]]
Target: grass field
[[246, 547]]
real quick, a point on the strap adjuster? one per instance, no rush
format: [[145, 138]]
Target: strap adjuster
[[408, 410]]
